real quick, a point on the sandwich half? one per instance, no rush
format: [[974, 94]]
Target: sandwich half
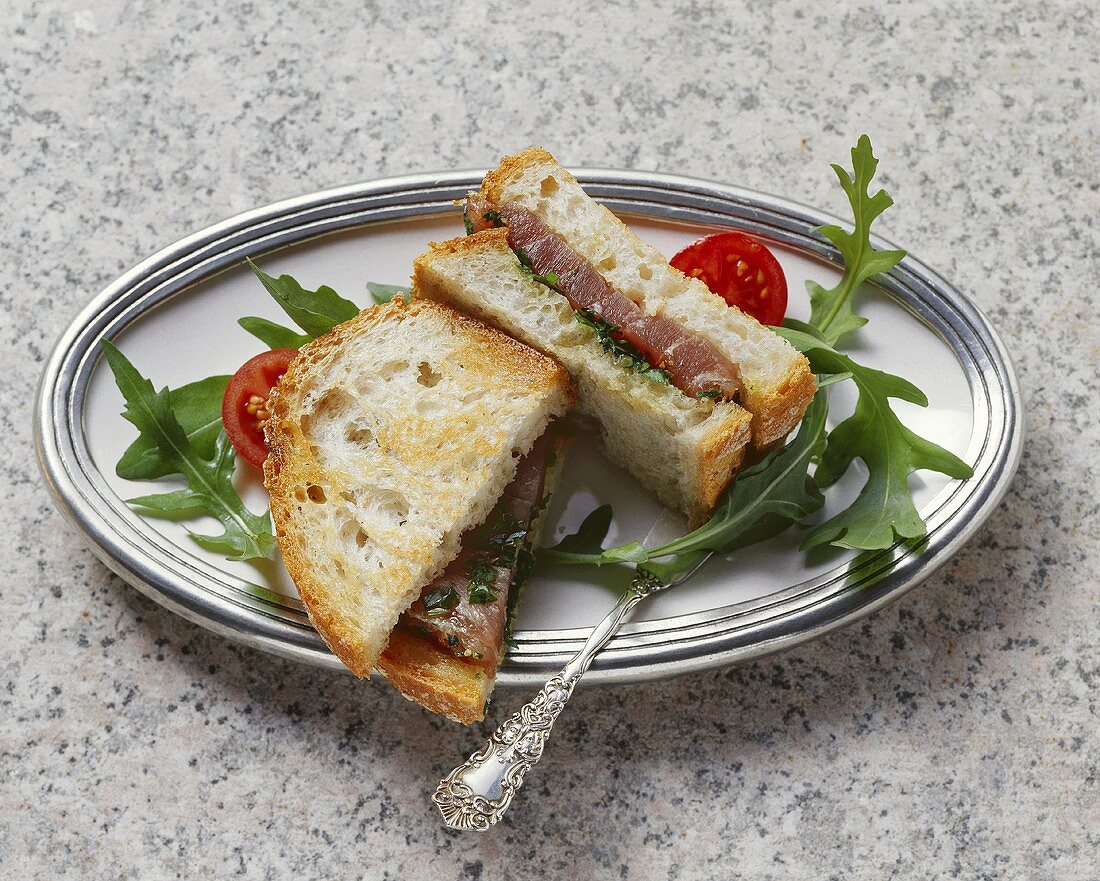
[[682, 385], [393, 439]]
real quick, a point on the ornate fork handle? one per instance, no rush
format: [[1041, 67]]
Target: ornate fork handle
[[476, 794]]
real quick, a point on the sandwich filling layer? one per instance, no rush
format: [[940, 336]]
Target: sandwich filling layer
[[693, 365], [465, 610]]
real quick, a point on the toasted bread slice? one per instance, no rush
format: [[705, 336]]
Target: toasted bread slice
[[435, 677], [777, 378], [684, 449], [390, 436]]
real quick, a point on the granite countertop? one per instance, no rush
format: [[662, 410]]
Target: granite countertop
[[952, 735]]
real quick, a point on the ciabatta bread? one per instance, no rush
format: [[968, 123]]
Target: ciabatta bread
[[777, 378], [682, 448], [390, 436]]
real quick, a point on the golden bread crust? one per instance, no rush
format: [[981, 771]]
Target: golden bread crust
[[776, 413], [435, 678], [514, 166], [721, 455]]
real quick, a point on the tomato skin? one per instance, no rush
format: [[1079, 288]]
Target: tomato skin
[[253, 380], [740, 270]]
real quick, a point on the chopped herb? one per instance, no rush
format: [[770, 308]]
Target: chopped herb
[[483, 576], [710, 393], [525, 562], [508, 534], [466, 222], [495, 217], [625, 355], [481, 594], [440, 601], [550, 279], [452, 640]]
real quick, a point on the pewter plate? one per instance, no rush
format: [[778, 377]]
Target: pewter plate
[[175, 317]]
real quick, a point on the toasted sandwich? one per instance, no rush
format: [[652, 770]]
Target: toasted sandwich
[[395, 439], [682, 385]]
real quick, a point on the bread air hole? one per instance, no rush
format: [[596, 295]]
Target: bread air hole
[[316, 494], [549, 185], [428, 377], [378, 507], [644, 272], [391, 369], [609, 263], [350, 530], [357, 433]]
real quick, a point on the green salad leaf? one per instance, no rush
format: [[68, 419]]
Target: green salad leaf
[[884, 511], [273, 335], [209, 480], [586, 542], [831, 310], [198, 407], [383, 293], [315, 312], [762, 501]]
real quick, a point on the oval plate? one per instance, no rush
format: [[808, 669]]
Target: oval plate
[[175, 317]]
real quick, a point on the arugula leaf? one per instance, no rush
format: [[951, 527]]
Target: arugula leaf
[[273, 335], [383, 293], [316, 312], [832, 313], [884, 510], [777, 487], [198, 407], [763, 500], [674, 568], [209, 489], [586, 544]]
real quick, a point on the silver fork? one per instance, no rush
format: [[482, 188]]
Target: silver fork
[[476, 794]]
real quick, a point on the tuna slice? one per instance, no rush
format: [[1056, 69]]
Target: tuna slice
[[695, 365]]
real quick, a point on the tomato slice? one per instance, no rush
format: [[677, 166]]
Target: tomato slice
[[245, 405], [741, 271]]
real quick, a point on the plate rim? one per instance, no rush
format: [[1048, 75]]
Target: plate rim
[[754, 628]]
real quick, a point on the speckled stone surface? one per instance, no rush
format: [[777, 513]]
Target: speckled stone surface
[[953, 735]]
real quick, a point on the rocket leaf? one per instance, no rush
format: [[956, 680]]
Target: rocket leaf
[[316, 312], [884, 510], [273, 335], [763, 500], [209, 481], [831, 310], [383, 293], [198, 407]]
